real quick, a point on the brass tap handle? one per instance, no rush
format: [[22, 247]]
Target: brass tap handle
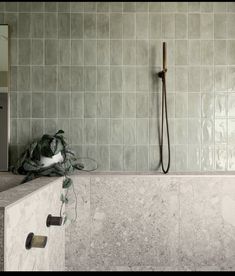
[[56, 221], [164, 57], [35, 241]]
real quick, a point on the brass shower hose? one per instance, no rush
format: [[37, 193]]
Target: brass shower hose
[[162, 75]]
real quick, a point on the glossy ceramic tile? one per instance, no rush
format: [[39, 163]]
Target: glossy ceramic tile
[[83, 62]]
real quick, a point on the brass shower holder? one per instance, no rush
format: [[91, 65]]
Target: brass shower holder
[[161, 73], [35, 241]]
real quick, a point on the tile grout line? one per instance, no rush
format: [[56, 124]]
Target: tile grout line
[[213, 100], [122, 94], [226, 99]]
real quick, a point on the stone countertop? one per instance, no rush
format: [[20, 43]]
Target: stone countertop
[[14, 194], [18, 192], [158, 174]]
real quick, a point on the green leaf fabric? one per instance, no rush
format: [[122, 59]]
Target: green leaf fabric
[[48, 146]]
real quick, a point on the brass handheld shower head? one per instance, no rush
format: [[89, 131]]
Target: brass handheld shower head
[[164, 69], [164, 57]]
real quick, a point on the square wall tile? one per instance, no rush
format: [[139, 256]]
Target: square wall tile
[[51, 25], [182, 157], [181, 131], [220, 21], [116, 25], [194, 131], [231, 49], [77, 25], [220, 48], [181, 105], [194, 158], [129, 158], [207, 158], [103, 105], [64, 105], [142, 25], [155, 25], [37, 128], [207, 131], [37, 105], [116, 52], [231, 105], [181, 52], [230, 24], [24, 105], [130, 105], [220, 158], [116, 158], [142, 131], [116, 131], [103, 131], [77, 105], [77, 50], [129, 26], [207, 26], [194, 105], [116, 106], [103, 52], [221, 105], [231, 79], [64, 25], [181, 26], [103, 25], [90, 103], [129, 131], [103, 154], [220, 78], [220, 131], [194, 30], [50, 105], [90, 131], [168, 26], [142, 155], [207, 74], [37, 30]]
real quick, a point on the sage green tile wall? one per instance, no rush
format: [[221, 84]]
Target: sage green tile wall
[[91, 69]]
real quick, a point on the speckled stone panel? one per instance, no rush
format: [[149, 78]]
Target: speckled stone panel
[[134, 222], [152, 223], [78, 232], [29, 214], [1, 239], [228, 215], [201, 223]]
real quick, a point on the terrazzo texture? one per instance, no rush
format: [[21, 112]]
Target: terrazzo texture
[[1, 240], [138, 223], [90, 69], [24, 209]]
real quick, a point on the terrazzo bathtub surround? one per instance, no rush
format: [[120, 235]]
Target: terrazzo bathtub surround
[[24, 209], [152, 222], [90, 68]]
